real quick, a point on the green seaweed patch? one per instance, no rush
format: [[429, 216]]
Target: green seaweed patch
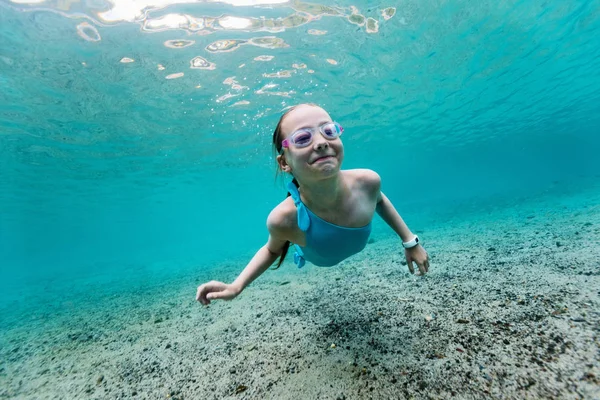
[[201, 63], [315, 9], [279, 74], [178, 44], [225, 45], [357, 19], [388, 13], [372, 25], [268, 42], [294, 21]]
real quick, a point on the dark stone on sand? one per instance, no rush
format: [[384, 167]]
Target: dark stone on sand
[[284, 283], [491, 249], [168, 346], [232, 370], [158, 320], [558, 244], [371, 241], [530, 381], [462, 321], [242, 388]]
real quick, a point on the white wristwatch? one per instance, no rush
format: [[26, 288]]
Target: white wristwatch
[[411, 243]]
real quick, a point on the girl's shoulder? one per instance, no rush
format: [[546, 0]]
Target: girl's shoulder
[[283, 217], [364, 179]]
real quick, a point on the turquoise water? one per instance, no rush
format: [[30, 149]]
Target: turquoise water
[[114, 170]]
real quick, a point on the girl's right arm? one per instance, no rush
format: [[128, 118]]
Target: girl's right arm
[[262, 260]]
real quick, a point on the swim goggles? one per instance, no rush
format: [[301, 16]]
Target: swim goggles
[[303, 137]]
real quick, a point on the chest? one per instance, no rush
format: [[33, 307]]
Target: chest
[[352, 214]]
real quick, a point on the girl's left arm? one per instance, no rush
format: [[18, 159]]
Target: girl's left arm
[[388, 213]]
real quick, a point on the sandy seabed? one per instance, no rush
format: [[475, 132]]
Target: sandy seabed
[[510, 310]]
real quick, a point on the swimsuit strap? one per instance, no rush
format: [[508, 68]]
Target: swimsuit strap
[[303, 222], [299, 257], [303, 218]]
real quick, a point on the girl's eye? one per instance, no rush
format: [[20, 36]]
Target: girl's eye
[[302, 137], [330, 130]]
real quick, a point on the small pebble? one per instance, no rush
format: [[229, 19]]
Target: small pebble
[[240, 389]]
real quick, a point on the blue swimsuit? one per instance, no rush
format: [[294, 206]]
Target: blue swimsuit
[[326, 244]]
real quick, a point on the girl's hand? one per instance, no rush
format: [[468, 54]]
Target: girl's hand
[[216, 290], [419, 256]]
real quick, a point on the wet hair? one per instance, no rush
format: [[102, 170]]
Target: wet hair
[[278, 149]]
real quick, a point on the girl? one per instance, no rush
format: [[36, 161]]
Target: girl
[[327, 213]]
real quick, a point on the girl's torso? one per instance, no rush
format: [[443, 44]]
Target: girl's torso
[[355, 212]]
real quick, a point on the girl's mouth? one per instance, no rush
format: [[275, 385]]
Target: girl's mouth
[[323, 158]]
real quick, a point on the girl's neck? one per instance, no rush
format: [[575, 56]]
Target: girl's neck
[[324, 194]]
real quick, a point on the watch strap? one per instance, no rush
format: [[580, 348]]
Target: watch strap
[[411, 243]]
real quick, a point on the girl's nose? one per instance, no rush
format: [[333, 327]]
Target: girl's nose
[[320, 143]]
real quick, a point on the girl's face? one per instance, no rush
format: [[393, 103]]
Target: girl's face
[[322, 158]]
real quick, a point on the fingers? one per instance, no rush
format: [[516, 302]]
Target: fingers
[[419, 256], [409, 261], [201, 294], [204, 292], [422, 268], [216, 295]]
